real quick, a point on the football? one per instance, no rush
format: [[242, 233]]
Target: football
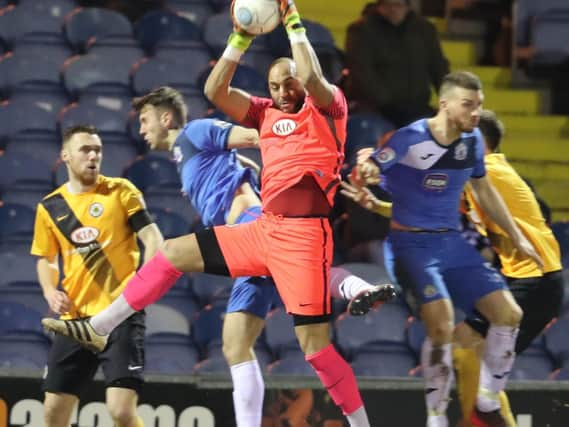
[[256, 16]]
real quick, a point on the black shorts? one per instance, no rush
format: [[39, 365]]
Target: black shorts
[[71, 367], [540, 298]]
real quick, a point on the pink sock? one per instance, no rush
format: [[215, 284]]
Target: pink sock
[[152, 281], [338, 378]]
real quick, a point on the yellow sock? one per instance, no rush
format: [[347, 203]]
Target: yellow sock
[[467, 367], [505, 409], [139, 423]]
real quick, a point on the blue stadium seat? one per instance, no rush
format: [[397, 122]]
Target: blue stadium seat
[[212, 366], [118, 154], [51, 101], [17, 266], [47, 150], [20, 171], [16, 222], [153, 172], [26, 118], [416, 334], [195, 11], [561, 231], [162, 318], [182, 52], [207, 326], [181, 301], [83, 24], [174, 202], [549, 33], [24, 350], [33, 66], [162, 25], [181, 75], [110, 122], [94, 73], [259, 58], [208, 288], [528, 10], [385, 326], [556, 340], [220, 5], [364, 130], [532, 364], [279, 333], [28, 294], [245, 78], [293, 363], [127, 49], [170, 353], [388, 362], [35, 20], [170, 224], [562, 374], [15, 317], [29, 198]]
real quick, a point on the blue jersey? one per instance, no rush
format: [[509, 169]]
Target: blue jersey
[[209, 171], [426, 178]]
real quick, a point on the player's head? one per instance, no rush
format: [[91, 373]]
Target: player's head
[[159, 111], [285, 87], [492, 130], [394, 11], [460, 99], [82, 152]]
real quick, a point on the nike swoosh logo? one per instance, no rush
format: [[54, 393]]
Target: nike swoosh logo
[[426, 156], [134, 368], [61, 218]]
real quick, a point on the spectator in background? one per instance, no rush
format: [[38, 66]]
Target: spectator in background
[[394, 57]]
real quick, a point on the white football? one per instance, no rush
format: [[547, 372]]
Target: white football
[[257, 16]]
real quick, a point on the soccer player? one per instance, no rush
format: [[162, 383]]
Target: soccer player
[[538, 290], [222, 187], [302, 138], [425, 167], [92, 222]]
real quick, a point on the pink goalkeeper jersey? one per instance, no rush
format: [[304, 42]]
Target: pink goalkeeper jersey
[[310, 142]]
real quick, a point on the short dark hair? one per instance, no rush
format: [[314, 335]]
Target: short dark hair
[[462, 79], [492, 129], [165, 97], [72, 130]]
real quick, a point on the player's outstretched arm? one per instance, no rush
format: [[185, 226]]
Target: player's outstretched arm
[[307, 65], [492, 203], [366, 199], [241, 137], [232, 101]]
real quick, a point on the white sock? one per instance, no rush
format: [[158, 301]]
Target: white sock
[[358, 418], [248, 392], [436, 362], [105, 321], [344, 285], [437, 421], [499, 355]]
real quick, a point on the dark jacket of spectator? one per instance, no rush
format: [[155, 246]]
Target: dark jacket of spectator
[[392, 67]]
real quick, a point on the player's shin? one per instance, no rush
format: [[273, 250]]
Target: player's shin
[[248, 392], [147, 286], [436, 362], [338, 378], [499, 355]]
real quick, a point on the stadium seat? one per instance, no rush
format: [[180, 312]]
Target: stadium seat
[[110, 122], [24, 350], [174, 202], [155, 72], [182, 301], [162, 25], [549, 33], [562, 374], [18, 171], [293, 363], [33, 66], [17, 266], [279, 333], [561, 231], [170, 224], [84, 24], [556, 340], [153, 172], [208, 288], [161, 318], [396, 361], [170, 353], [218, 27], [15, 317], [35, 20], [416, 334], [28, 294], [46, 150], [532, 364], [26, 118], [207, 325], [29, 198], [195, 11], [245, 78], [16, 222], [212, 366], [526, 13], [364, 130], [259, 58], [95, 73], [49, 100], [385, 326]]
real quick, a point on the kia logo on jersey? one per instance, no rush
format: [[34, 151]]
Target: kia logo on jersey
[[284, 127], [435, 181], [84, 235]]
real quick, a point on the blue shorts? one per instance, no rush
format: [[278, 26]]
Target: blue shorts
[[255, 295], [433, 266]]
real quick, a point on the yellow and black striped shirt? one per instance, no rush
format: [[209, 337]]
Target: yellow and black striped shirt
[[93, 233]]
